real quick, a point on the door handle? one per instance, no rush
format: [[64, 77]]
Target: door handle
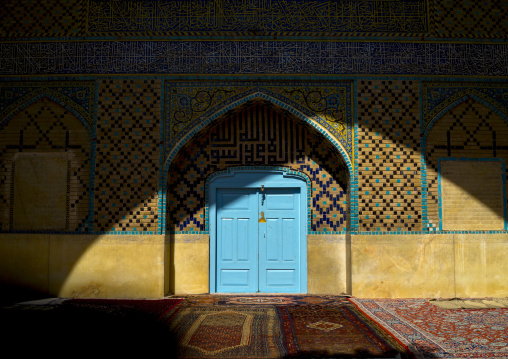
[[262, 219]]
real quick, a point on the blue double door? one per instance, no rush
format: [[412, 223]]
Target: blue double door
[[258, 240]]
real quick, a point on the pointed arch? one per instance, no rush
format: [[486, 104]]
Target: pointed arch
[[79, 182], [220, 111], [431, 160], [223, 113], [461, 97], [53, 96]]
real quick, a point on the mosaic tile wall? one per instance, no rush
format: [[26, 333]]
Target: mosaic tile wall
[[380, 18], [469, 19], [42, 127], [257, 134], [44, 18], [327, 104], [134, 49], [468, 130], [127, 167], [389, 185]]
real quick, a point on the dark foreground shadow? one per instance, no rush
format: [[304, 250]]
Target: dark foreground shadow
[[65, 330]]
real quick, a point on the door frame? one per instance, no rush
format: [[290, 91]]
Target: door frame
[[253, 178]]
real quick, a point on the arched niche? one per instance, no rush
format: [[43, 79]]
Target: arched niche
[[465, 154], [45, 151]]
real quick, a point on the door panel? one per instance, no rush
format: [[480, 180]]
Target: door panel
[[280, 278], [279, 256], [257, 256], [289, 245], [237, 240]]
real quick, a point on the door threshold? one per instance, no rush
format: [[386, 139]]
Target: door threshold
[[263, 294]]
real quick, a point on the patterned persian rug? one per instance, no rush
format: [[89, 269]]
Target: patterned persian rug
[[281, 331], [333, 332], [226, 332], [433, 332], [457, 303], [267, 299]]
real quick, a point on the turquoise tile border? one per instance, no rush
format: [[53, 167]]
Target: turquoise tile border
[[423, 163], [161, 199], [354, 208]]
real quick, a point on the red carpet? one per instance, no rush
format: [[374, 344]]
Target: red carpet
[[242, 328], [226, 331], [432, 332], [331, 331]]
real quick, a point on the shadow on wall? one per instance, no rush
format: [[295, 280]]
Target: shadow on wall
[[46, 135], [390, 191]]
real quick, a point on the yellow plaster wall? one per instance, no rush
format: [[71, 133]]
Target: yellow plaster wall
[[481, 265], [382, 266], [435, 265], [24, 261], [84, 266], [189, 263], [326, 264]]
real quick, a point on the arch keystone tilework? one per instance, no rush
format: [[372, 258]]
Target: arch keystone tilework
[[190, 106]]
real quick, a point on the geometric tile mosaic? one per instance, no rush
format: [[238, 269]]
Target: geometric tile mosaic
[[127, 167], [43, 127], [257, 134], [44, 18], [468, 130], [438, 97], [466, 18], [77, 96], [190, 103], [389, 160]]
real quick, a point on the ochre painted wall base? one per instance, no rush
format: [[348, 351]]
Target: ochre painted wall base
[[438, 265], [152, 266], [84, 266]]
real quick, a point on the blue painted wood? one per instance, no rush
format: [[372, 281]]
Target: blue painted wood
[[237, 240], [235, 200], [279, 237]]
